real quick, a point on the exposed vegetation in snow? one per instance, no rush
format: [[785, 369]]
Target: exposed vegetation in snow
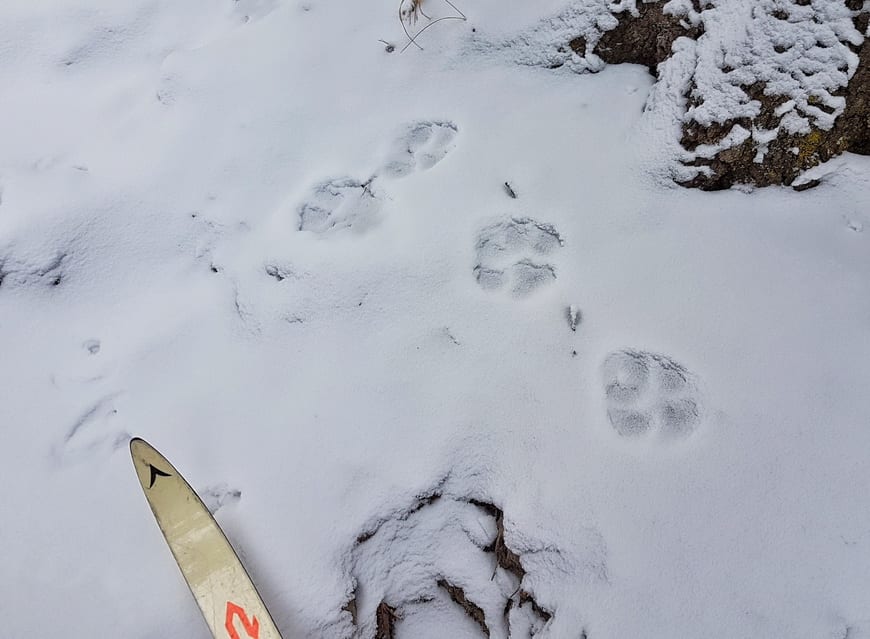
[[746, 75]]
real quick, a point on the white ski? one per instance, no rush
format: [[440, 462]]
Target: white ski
[[230, 603]]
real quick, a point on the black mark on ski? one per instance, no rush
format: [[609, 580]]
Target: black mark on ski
[[155, 473]]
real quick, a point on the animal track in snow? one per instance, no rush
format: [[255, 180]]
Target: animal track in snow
[[92, 346], [50, 272], [510, 254], [422, 146], [217, 496], [648, 393], [280, 272], [252, 10], [94, 431], [340, 203]]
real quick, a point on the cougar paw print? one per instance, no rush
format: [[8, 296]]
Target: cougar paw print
[[649, 394]]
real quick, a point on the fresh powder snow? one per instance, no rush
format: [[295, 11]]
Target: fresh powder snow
[[427, 322]]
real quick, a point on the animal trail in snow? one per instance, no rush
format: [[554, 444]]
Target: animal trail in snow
[[512, 254], [422, 146], [348, 203], [340, 203], [649, 394]]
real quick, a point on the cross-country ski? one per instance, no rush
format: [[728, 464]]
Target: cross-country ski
[[230, 603]]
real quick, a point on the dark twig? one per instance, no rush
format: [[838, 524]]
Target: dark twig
[[455, 8], [431, 24], [405, 29], [413, 39]]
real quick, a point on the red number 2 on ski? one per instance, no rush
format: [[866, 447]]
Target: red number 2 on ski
[[251, 626]]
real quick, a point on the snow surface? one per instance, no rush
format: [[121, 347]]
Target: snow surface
[[290, 259]]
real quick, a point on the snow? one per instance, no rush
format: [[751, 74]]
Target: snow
[[249, 234], [800, 51]]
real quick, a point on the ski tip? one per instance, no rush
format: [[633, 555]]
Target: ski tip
[[137, 442]]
